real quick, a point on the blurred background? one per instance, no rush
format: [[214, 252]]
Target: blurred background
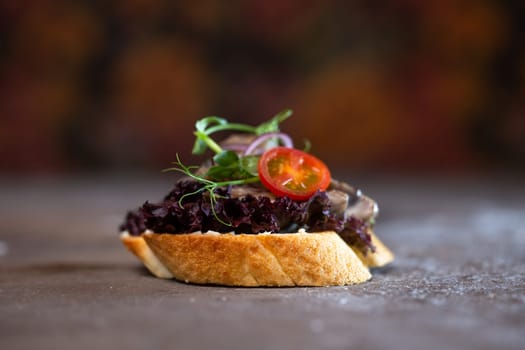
[[392, 85]]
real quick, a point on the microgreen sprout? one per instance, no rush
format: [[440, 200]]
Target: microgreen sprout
[[208, 185], [209, 125], [229, 168]]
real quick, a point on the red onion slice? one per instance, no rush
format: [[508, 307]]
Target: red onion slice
[[260, 140]]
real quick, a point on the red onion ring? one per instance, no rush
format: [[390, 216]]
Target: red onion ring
[[261, 139]]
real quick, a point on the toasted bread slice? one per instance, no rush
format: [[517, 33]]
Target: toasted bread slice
[[138, 246], [290, 259]]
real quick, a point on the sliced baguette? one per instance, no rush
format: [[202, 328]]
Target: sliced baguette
[[138, 246], [293, 259]]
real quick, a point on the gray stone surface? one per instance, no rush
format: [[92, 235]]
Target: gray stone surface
[[458, 281]]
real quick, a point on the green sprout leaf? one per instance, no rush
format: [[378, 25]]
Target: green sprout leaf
[[226, 158], [307, 145], [249, 164], [203, 124], [210, 125], [203, 141], [273, 124]]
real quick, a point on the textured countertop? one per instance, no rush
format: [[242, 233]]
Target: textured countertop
[[458, 281]]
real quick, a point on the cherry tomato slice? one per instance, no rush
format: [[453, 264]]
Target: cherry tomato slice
[[293, 173]]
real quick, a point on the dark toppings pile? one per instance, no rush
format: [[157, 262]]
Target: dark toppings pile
[[249, 214]]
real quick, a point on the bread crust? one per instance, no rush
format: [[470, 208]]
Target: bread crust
[[138, 246], [284, 259]]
